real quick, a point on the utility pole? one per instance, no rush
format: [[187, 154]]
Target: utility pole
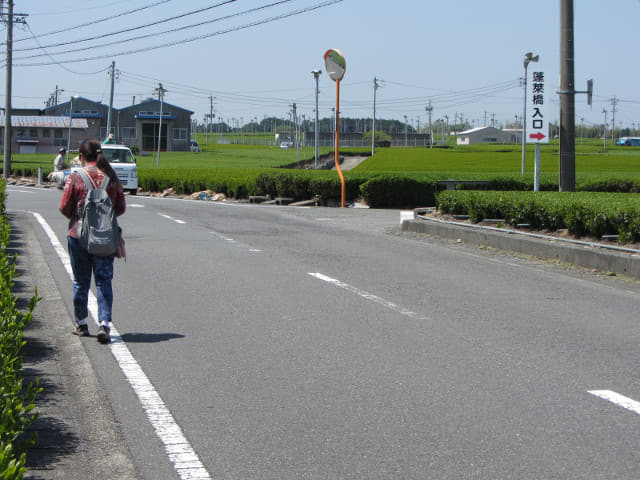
[[429, 109], [614, 102], [210, 117], [57, 91], [373, 123], [160, 91], [10, 18], [112, 74], [316, 74], [604, 128], [567, 100]]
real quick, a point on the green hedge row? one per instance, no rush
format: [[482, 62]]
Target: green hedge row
[[378, 190], [582, 213], [16, 400]]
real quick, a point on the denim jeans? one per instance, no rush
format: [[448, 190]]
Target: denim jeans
[[82, 264]]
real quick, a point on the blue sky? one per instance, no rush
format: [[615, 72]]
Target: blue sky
[[464, 56]]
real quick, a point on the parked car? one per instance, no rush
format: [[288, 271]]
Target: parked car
[[121, 160], [286, 144], [629, 141], [194, 146]]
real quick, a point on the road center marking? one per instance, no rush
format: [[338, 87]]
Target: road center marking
[[179, 450], [374, 298], [617, 399], [172, 219]]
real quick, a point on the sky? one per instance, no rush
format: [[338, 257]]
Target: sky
[[253, 58]]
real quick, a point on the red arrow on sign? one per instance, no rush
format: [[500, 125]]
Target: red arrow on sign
[[537, 136]]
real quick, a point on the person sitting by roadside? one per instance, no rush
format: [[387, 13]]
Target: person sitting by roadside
[[59, 162]]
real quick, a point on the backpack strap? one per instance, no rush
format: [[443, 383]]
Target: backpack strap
[[85, 177], [89, 183]]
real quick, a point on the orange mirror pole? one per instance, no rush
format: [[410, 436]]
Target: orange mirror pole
[[337, 142]]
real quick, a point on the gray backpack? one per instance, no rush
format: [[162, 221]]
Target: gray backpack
[[98, 230]]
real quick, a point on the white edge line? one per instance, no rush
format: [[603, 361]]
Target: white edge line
[[180, 453], [617, 399], [374, 298]]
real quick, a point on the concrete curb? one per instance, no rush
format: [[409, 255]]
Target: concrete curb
[[585, 255]]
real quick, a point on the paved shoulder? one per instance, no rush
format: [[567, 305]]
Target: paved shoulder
[[77, 434]]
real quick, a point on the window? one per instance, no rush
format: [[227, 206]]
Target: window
[[33, 132], [179, 133], [128, 132], [46, 132], [20, 133], [58, 133]]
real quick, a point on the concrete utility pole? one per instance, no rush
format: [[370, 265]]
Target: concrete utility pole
[[112, 74], [10, 18], [614, 102], [160, 91], [376, 85], [567, 100], [429, 109], [210, 117], [316, 74], [55, 97]]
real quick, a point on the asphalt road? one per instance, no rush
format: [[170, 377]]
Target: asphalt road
[[316, 343]]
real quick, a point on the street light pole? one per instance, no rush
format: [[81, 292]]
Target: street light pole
[[528, 57], [316, 74]]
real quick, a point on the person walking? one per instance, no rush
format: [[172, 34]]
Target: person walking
[[82, 262]]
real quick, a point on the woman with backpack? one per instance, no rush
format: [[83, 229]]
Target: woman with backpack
[[72, 206]]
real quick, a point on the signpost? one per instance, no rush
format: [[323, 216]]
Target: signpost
[[536, 122], [336, 65]]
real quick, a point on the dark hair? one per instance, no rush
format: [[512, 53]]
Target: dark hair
[[91, 150]]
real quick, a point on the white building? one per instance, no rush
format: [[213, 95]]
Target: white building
[[489, 135]]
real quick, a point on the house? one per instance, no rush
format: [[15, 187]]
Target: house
[[44, 133], [140, 125], [95, 114], [488, 135], [136, 124]]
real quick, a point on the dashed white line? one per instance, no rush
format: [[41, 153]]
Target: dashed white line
[[374, 298], [172, 219], [617, 399], [185, 460]]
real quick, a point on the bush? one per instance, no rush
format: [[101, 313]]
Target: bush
[[16, 407], [582, 213], [394, 191]]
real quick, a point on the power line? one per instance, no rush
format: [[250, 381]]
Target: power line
[[187, 40], [100, 20], [126, 30]]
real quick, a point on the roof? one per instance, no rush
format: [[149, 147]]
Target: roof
[[478, 129], [44, 121]]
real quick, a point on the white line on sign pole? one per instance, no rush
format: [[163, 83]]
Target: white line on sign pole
[[184, 458], [616, 398]]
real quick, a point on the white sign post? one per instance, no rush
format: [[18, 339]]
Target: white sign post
[[537, 125]]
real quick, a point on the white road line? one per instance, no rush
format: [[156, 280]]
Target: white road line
[[374, 298], [185, 460], [617, 399], [172, 219], [235, 242]]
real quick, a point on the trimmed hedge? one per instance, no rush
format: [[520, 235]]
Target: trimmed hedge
[[16, 400], [582, 213]]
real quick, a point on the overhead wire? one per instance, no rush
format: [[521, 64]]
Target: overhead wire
[[127, 30], [187, 40], [94, 22]]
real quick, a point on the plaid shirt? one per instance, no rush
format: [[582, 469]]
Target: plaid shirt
[[75, 191]]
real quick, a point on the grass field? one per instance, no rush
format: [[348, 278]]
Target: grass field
[[455, 162]]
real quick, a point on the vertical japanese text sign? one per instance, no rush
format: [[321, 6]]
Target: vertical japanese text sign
[[537, 126]]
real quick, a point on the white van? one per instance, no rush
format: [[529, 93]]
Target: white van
[[121, 160]]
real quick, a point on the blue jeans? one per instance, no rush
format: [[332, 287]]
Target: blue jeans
[[82, 264]]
